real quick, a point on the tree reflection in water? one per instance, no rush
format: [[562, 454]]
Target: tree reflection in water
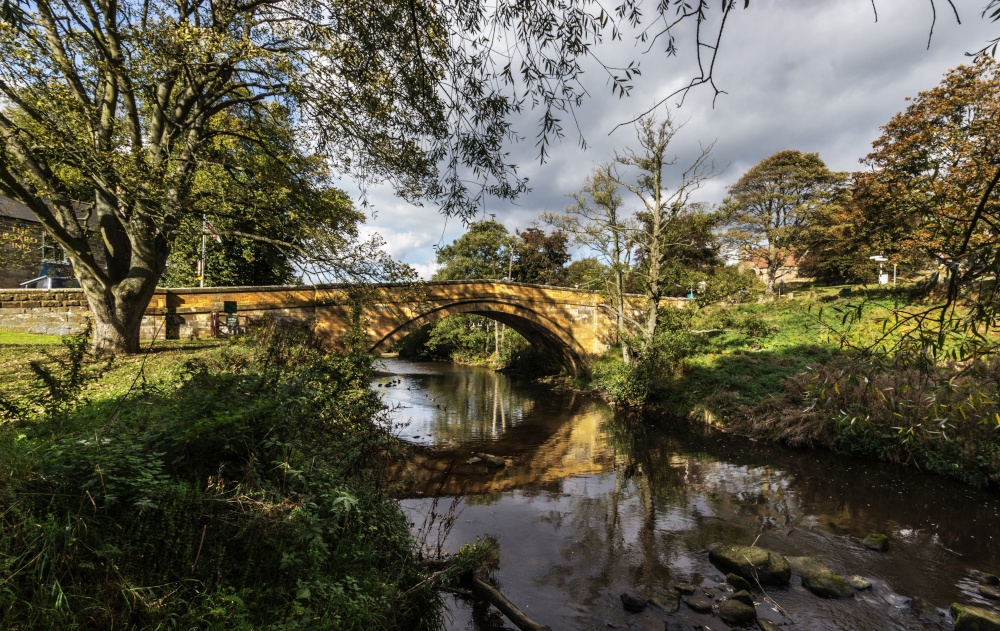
[[590, 506]]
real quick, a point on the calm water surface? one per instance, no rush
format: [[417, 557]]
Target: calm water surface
[[589, 506]]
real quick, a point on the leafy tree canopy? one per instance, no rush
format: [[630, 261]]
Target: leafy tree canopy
[[935, 169], [485, 251], [770, 208], [540, 258], [586, 273]]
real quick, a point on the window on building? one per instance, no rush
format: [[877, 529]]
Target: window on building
[[52, 252]]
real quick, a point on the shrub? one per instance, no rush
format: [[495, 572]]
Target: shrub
[[241, 491]]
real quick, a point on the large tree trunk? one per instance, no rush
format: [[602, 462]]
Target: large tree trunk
[[117, 313], [118, 297]]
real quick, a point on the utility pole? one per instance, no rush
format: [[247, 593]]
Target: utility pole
[[201, 261]]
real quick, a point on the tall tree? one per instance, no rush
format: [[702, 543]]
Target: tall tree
[[586, 273], [646, 173], [273, 209], [415, 93], [770, 208], [598, 222], [539, 257], [935, 187], [484, 252], [689, 250]]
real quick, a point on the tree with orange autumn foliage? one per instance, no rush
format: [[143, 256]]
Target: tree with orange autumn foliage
[[935, 170], [933, 196]]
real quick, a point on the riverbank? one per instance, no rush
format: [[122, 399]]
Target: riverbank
[[235, 486], [817, 370]]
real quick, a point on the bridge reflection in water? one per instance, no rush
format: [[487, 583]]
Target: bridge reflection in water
[[453, 414]]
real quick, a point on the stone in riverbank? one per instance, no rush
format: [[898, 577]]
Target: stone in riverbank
[[767, 625], [974, 618], [753, 564], [820, 579]]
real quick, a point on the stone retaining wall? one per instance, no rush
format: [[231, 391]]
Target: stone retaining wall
[[172, 313], [52, 311]]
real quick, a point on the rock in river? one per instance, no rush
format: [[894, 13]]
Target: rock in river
[[737, 613], [701, 604], [743, 596], [753, 564], [974, 618], [633, 603], [820, 579], [988, 591], [738, 582], [493, 462], [859, 583], [876, 542]]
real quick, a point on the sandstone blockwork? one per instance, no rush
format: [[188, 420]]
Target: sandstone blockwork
[[570, 325]]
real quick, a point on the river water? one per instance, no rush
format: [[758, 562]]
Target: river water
[[588, 506]]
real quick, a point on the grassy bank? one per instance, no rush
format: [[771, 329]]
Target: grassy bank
[[209, 486], [819, 370]]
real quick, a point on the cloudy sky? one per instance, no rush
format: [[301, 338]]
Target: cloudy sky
[[817, 76]]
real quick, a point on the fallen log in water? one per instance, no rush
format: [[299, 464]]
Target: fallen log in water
[[487, 592]]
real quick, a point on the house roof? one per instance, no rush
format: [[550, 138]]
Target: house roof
[[792, 260], [16, 210]]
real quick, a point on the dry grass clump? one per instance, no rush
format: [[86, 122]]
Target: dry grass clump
[[944, 419]]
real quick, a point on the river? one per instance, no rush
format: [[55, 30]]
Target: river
[[588, 506]]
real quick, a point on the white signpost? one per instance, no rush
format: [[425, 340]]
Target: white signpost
[[883, 278]]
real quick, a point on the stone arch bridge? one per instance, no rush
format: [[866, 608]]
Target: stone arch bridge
[[570, 326]]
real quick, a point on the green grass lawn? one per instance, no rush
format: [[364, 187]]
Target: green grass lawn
[[746, 352], [33, 339], [18, 351]]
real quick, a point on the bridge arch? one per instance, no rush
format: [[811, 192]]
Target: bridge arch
[[545, 335]]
